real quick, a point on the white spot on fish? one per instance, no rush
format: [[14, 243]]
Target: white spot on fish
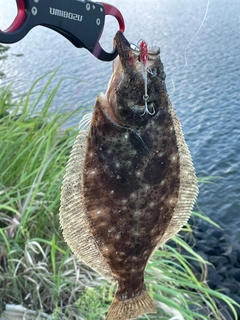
[[133, 195], [147, 187], [152, 231], [146, 253], [99, 211], [103, 224], [151, 204], [118, 177], [137, 213], [138, 173], [162, 182], [119, 259], [93, 172], [133, 152], [124, 200], [117, 164], [111, 230], [105, 249], [174, 158], [117, 236]]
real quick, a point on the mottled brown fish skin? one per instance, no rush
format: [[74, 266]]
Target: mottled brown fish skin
[[131, 177], [130, 189], [134, 186]]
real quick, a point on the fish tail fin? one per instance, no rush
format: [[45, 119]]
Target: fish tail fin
[[130, 308]]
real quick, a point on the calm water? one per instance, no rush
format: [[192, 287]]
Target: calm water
[[205, 92]]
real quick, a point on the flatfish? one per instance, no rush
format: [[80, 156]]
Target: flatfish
[[130, 184]]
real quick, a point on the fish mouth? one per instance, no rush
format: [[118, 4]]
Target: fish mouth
[[129, 55], [127, 87]]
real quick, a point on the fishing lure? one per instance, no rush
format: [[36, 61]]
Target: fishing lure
[[144, 62]]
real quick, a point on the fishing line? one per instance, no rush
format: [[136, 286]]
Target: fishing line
[[188, 45]]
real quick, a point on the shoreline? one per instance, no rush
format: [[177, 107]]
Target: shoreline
[[223, 257]]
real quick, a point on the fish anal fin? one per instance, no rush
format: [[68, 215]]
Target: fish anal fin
[[130, 308]]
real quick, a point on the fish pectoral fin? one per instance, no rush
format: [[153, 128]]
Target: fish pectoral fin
[[131, 308]]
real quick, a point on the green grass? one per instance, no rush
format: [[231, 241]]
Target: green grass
[[37, 269]]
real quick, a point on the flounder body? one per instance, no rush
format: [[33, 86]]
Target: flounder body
[[130, 184]]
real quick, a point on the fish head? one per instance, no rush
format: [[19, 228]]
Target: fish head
[[126, 89]]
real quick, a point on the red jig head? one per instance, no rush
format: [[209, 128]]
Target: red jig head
[[144, 61], [143, 52]]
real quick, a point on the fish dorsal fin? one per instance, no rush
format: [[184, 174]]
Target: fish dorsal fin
[[73, 218], [188, 189], [84, 123]]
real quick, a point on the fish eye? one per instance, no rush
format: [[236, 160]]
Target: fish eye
[[153, 50]]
